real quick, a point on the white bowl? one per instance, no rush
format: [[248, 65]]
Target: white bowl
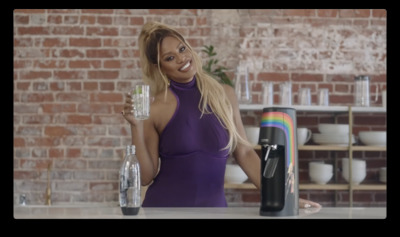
[[321, 178], [332, 139], [316, 166], [359, 170], [333, 128], [373, 138], [358, 163], [252, 134], [234, 174], [320, 172]]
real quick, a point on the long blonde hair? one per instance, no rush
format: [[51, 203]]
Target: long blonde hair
[[212, 92]]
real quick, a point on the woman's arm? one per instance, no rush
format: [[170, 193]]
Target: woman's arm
[[145, 138], [245, 155]]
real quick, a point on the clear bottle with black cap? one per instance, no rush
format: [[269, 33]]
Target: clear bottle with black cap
[[129, 183]]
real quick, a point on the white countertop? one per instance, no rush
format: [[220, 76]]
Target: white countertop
[[104, 212]]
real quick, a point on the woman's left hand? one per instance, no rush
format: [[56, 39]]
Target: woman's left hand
[[303, 203]]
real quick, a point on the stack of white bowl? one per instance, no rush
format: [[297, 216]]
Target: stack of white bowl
[[234, 174], [252, 133], [373, 138], [320, 172], [382, 174], [332, 134], [359, 170]]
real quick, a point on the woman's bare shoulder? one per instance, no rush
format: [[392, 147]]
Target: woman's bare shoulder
[[162, 109], [163, 98]]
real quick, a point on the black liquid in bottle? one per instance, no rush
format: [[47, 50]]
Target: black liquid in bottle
[[130, 211]]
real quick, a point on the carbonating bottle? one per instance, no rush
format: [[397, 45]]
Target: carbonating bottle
[[129, 183]]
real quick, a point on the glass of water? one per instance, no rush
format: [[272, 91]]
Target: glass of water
[[141, 101], [305, 96], [323, 97]]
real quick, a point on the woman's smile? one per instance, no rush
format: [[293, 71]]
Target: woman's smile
[[186, 66]]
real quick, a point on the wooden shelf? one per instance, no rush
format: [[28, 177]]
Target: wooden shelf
[[317, 108], [312, 186], [239, 186], [334, 148], [347, 147], [369, 148]]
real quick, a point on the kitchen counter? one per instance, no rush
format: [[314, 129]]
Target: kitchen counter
[[105, 212]]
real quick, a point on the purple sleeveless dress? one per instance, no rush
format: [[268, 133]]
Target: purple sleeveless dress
[[192, 159]]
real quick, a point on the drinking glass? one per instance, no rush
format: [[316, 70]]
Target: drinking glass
[[305, 96], [286, 93], [141, 101], [268, 93], [361, 89], [323, 97], [243, 85]]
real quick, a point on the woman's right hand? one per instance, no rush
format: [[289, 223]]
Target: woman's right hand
[[127, 111]]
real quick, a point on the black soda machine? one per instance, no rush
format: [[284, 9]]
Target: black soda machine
[[279, 164]]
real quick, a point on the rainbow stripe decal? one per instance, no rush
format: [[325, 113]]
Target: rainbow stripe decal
[[282, 121]]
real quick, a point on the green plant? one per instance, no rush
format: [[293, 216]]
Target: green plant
[[218, 72]]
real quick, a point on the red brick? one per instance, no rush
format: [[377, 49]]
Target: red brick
[[79, 119], [84, 63], [102, 53], [19, 142], [68, 30], [68, 53], [57, 131], [103, 74], [104, 31], [327, 12], [307, 77], [38, 97], [106, 97], [104, 20], [35, 75], [273, 76], [97, 11], [73, 152], [56, 152], [53, 19], [380, 13], [87, 20], [298, 12], [354, 12], [69, 74], [94, 108], [107, 86], [33, 30], [165, 11], [84, 42], [137, 21], [67, 96], [54, 42], [49, 64], [21, 19], [30, 11], [90, 86]]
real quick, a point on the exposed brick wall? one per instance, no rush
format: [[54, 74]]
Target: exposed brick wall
[[71, 68]]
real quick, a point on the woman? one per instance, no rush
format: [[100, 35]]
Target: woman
[[194, 126]]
